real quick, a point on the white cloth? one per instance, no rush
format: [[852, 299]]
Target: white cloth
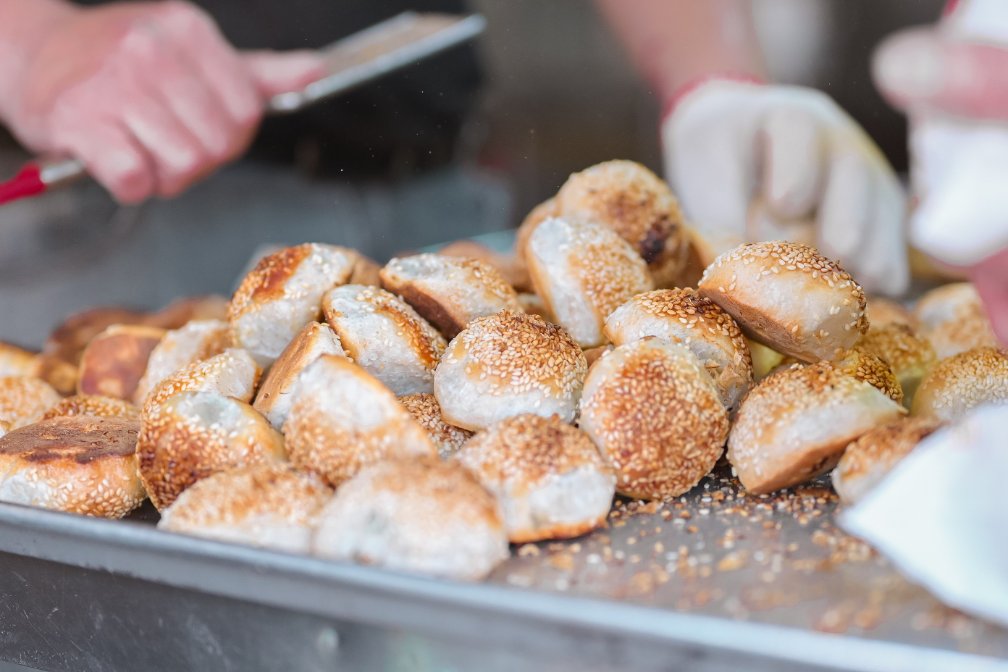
[[940, 517], [756, 162]]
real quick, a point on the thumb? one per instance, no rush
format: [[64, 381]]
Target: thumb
[[990, 277], [923, 69], [281, 72]]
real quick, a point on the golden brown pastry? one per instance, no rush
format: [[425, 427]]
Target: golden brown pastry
[[115, 360], [23, 400], [909, 355], [193, 342], [425, 409], [961, 382], [93, 405], [953, 319]]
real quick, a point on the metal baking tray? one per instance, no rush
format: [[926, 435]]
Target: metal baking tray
[[714, 580]]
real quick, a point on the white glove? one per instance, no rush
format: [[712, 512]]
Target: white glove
[[756, 162], [940, 518]]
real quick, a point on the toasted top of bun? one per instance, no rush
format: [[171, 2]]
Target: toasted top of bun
[[115, 360], [269, 504], [419, 515], [882, 312], [81, 465], [275, 394], [283, 293], [194, 434], [872, 369], [68, 340], [683, 316], [232, 373], [508, 266], [963, 381], [899, 346], [656, 415], [583, 271], [789, 297], [23, 400], [953, 319], [795, 424], [93, 405], [179, 348], [425, 409], [447, 291], [869, 458], [636, 204], [342, 418], [383, 334]]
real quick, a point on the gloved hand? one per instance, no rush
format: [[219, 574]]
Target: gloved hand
[[955, 90], [149, 96], [757, 162]]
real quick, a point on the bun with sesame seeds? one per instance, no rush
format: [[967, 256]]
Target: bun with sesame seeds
[[115, 360], [795, 424], [449, 292], [273, 505], [24, 399], [867, 460], [232, 373], [283, 293], [342, 419], [417, 515], [883, 312], [508, 266], [15, 361], [507, 364], [872, 369], [656, 416], [682, 316], [192, 435], [193, 342], [82, 465], [385, 336], [583, 271], [276, 391], [539, 214], [93, 405], [425, 410], [909, 355], [548, 477], [788, 297], [961, 382], [636, 204], [953, 319]]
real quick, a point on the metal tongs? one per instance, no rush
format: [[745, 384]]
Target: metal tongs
[[371, 53]]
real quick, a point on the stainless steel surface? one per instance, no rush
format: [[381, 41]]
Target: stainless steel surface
[[362, 57], [379, 50]]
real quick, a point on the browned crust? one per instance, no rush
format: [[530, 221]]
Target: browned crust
[[760, 327], [114, 362], [438, 313], [365, 272], [93, 405], [288, 365], [266, 282], [68, 340], [179, 313], [557, 531], [79, 440], [60, 374], [812, 462]]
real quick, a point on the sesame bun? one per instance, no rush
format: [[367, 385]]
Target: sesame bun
[[183, 311], [192, 435], [507, 364], [539, 214], [93, 405], [425, 410], [232, 373], [909, 355], [953, 319], [23, 400], [61, 375], [789, 297], [882, 312], [961, 382], [115, 360], [449, 292], [636, 204], [273, 505], [68, 340], [417, 515], [548, 477], [872, 369], [282, 294], [583, 271], [656, 416], [795, 424], [342, 419], [179, 348], [274, 397], [384, 335], [508, 266], [81, 465], [866, 461], [682, 316]]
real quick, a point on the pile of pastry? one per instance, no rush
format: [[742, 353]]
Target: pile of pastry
[[423, 414]]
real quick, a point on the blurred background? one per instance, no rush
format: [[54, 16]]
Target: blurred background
[[481, 135]]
